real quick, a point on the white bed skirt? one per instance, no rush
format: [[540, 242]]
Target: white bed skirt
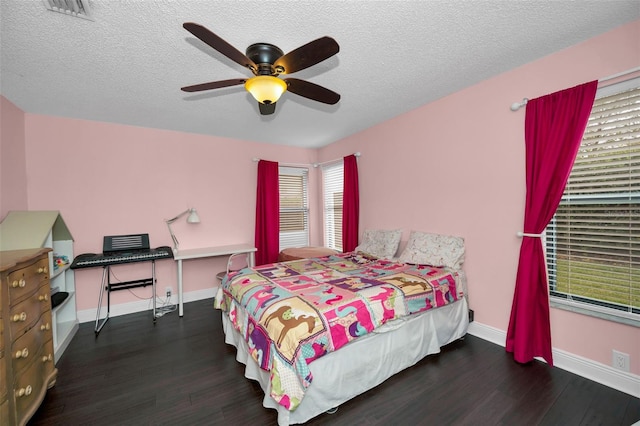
[[362, 364]]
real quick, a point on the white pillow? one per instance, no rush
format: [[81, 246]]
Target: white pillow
[[434, 249], [380, 243]]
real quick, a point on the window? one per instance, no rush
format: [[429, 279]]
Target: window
[[332, 178], [294, 208], [593, 241]]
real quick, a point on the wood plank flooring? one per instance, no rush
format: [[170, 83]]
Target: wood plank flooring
[[180, 372]]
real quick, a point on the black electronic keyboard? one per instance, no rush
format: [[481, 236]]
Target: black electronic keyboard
[[117, 249], [90, 260]]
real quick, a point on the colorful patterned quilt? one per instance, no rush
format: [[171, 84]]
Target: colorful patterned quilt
[[294, 312]]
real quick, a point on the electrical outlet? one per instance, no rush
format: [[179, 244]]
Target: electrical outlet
[[620, 361], [168, 290]]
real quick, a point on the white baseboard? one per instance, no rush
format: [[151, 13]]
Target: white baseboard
[[625, 382], [89, 315]]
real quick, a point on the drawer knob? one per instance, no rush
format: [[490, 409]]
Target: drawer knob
[[46, 358], [42, 269], [18, 283], [45, 327], [22, 354], [24, 391], [22, 316], [43, 297]]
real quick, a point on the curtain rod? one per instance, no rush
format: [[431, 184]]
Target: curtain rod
[[256, 159], [620, 74], [517, 105], [357, 154]]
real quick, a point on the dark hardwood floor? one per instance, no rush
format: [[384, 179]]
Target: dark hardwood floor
[[180, 372]]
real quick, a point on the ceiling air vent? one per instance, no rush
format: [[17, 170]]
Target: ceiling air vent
[[77, 8]]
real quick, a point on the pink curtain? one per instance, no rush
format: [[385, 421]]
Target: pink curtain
[[554, 126], [267, 213], [350, 204]]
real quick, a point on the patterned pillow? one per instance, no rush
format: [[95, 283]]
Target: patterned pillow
[[434, 249], [380, 243]]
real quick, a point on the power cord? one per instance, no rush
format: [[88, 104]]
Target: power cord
[[165, 304], [166, 307]]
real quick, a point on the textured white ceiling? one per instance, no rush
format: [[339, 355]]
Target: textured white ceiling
[[127, 66]]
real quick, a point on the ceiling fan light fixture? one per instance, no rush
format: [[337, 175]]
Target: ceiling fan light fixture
[[266, 89]]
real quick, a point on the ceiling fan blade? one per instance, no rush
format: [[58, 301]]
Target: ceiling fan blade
[[214, 85], [267, 109], [305, 56], [312, 91], [220, 45]]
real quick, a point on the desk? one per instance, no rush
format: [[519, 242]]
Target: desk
[[198, 253]]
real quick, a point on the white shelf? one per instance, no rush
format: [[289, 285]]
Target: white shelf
[[61, 306], [56, 272]]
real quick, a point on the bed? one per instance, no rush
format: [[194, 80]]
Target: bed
[[317, 332]]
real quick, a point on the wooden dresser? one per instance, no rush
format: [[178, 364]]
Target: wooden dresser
[[27, 367]]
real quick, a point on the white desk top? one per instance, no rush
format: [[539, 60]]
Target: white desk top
[[196, 253]]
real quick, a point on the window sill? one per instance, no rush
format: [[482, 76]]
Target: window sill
[[594, 311]]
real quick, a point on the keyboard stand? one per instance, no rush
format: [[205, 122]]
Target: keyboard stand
[[107, 286]]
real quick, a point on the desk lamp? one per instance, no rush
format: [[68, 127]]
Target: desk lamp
[[193, 218]]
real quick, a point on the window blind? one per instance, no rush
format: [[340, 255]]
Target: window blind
[[333, 183], [294, 207], [593, 241]]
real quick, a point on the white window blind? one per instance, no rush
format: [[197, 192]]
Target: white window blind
[[294, 207], [593, 241], [332, 179]]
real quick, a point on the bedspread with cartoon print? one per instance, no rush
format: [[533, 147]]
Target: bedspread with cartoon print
[[292, 313]]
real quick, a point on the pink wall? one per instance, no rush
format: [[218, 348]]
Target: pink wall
[[109, 179], [456, 166], [13, 166]]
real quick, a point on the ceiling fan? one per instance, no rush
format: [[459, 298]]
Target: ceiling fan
[[267, 62]]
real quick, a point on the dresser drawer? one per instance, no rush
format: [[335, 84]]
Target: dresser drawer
[[23, 282], [26, 313], [28, 389], [30, 345]]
